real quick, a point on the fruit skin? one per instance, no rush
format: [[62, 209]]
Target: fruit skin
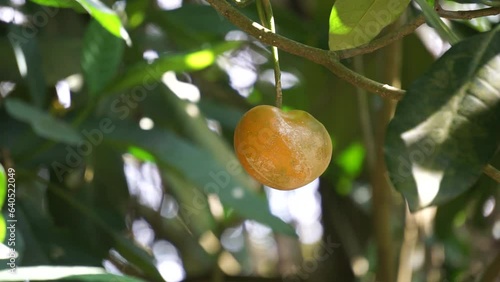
[[282, 150]]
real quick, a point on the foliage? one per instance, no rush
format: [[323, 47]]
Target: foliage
[[117, 122]]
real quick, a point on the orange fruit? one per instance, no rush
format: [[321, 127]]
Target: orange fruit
[[282, 150]]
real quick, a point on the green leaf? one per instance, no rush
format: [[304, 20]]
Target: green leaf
[[146, 74], [446, 128], [200, 167], [136, 12], [25, 273], [106, 17], [29, 62], [3, 228], [356, 22], [351, 159], [141, 154], [60, 4], [123, 245], [42, 123], [137, 256], [3, 186], [434, 20], [101, 57], [100, 278]]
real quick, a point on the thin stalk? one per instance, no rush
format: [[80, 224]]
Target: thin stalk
[[435, 21], [266, 16], [410, 240], [381, 192]]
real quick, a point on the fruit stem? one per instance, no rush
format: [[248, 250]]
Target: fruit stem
[[266, 16]]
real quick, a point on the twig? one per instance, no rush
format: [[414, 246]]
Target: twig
[[467, 14], [385, 40], [492, 172]]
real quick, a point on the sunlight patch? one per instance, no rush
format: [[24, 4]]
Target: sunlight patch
[[428, 183]]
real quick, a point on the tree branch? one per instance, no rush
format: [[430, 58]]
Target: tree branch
[[323, 57], [331, 59], [467, 14]]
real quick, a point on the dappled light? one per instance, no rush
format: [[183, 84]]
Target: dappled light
[[209, 242], [229, 264], [428, 183], [64, 93], [9, 14], [143, 182], [146, 123], [143, 233], [6, 87], [300, 207], [495, 231], [232, 239], [169, 4], [168, 261], [171, 270], [288, 80], [182, 89]]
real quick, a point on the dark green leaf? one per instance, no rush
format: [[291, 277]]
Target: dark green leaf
[[356, 22], [100, 278], [147, 74], [61, 4], [42, 123], [123, 245], [447, 127], [29, 63], [101, 57], [3, 228], [106, 17], [137, 256], [44, 273]]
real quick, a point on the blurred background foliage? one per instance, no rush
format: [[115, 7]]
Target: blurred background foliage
[[122, 150]]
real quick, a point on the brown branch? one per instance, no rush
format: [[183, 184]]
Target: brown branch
[[467, 14], [323, 57], [492, 172]]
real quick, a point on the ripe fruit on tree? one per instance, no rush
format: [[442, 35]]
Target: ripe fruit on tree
[[282, 150]]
